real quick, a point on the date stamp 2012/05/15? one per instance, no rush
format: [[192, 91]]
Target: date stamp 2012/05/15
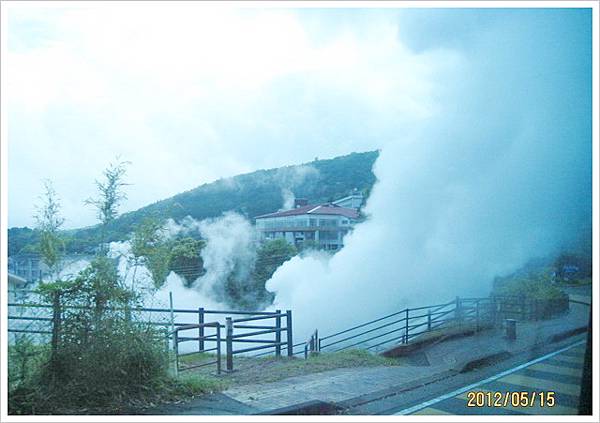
[[510, 399]]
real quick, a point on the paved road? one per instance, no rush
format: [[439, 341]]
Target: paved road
[[521, 372], [557, 372]]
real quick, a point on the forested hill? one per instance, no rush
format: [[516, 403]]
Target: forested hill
[[250, 194]]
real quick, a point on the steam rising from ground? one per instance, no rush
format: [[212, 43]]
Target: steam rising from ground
[[499, 172], [290, 178], [483, 119], [230, 251]]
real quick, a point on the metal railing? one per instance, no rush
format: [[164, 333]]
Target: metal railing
[[402, 326], [240, 327], [216, 338], [250, 331]]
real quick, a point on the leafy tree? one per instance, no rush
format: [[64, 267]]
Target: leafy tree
[[186, 260], [270, 256], [22, 240], [48, 223], [110, 195], [250, 292], [150, 249]]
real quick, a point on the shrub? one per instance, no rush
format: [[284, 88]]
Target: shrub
[[535, 287], [100, 357]]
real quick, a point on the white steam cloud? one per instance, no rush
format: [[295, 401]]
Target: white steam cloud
[[500, 172], [288, 198], [291, 177], [230, 251]]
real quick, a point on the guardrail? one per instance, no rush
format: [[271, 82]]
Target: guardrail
[[215, 338], [407, 324], [252, 330], [240, 327]]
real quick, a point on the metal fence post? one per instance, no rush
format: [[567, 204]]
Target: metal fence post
[[477, 316], [406, 328], [201, 329], [172, 315], [458, 311], [229, 343], [176, 347], [56, 317], [218, 348], [523, 310], [167, 341], [278, 334], [290, 343], [429, 320]]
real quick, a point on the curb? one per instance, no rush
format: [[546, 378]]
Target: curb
[[504, 355], [314, 407], [470, 365]]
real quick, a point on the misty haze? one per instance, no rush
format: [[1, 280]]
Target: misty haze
[[196, 193]]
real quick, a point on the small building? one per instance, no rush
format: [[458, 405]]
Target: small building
[[28, 266], [15, 284], [353, 201], [321, 225]]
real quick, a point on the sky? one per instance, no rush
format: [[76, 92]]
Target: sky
[[189, 93]]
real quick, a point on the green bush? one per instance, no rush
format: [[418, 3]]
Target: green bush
[[100, 357], [535, 287]]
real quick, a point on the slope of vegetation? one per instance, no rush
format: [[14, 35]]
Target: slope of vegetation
[[250, 194]]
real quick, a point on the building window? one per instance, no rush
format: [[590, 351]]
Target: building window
[[328, 235]]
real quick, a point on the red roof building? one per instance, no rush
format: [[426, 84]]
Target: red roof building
[[319, 225]]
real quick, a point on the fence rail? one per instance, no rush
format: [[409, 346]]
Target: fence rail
[[216, 338], [44, 319], [243, 327], [412, 323]]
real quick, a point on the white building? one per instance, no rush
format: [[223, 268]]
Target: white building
[[322, 225], [353, 201], [15, 283]]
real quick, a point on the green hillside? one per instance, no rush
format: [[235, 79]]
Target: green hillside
[[250, 194]]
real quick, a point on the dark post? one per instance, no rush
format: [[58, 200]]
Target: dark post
[[176, 342], [511, 329], [406, 328], [290, 343], [167, 337], [458, 311], [477, 316], [201, 329], [278, 334], [56, 317], [229, 343], [429, 319], [585, 394], [218, 348]]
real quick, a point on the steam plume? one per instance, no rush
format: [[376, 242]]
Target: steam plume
[[498, 173]]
